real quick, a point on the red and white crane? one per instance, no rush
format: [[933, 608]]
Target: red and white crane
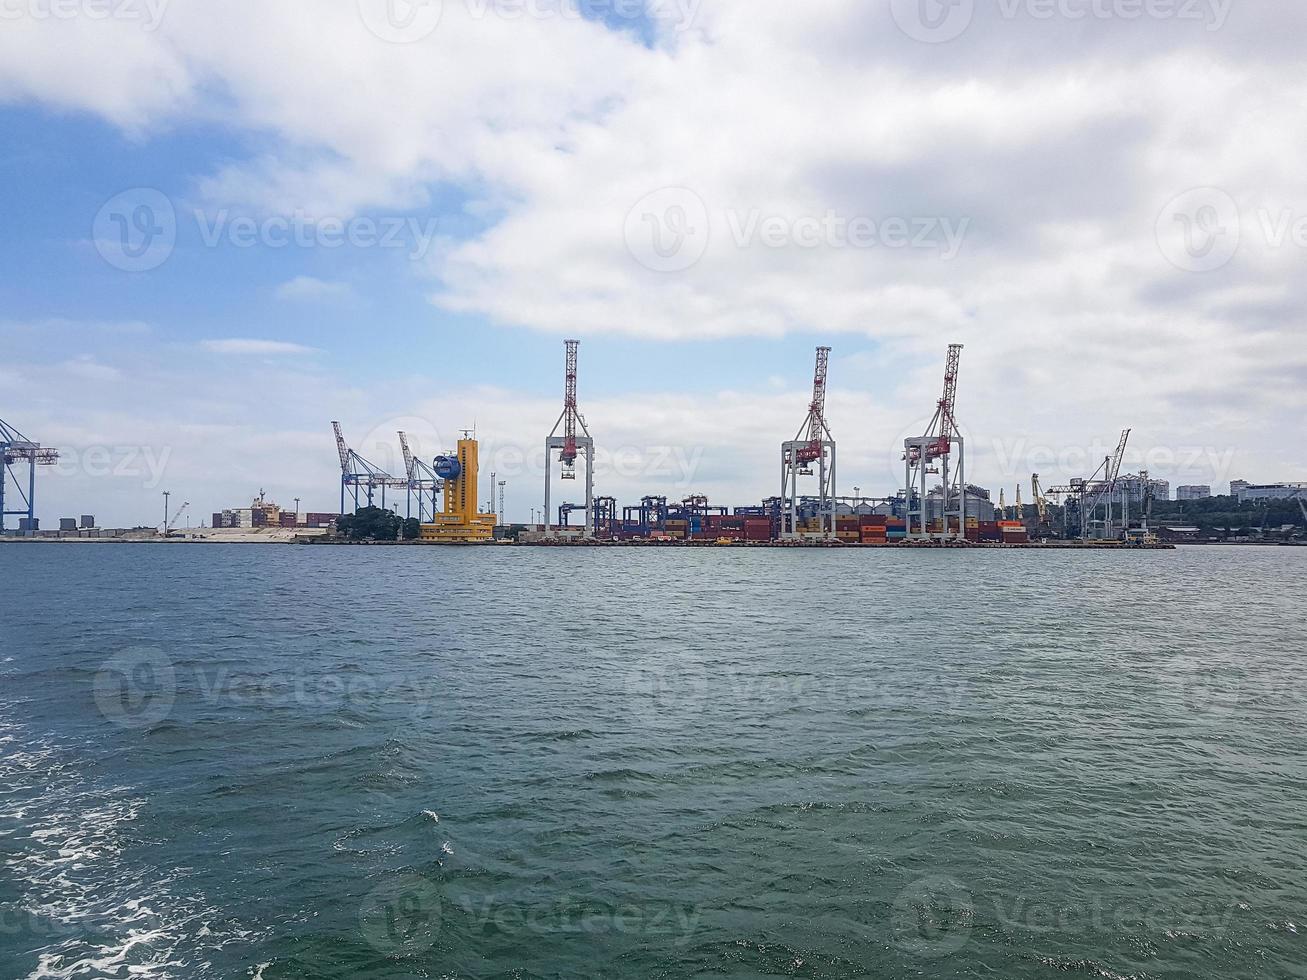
[[933, 453], [813, 444], [569, 443]]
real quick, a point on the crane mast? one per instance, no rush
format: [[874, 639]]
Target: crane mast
[[1099, 489], [342, 448], [408, 456], [947, 422], [574, 441], [15, 451], [568, 455], [812, 444], [357, 474], [815, 425], [1041, 502], [937, 445]]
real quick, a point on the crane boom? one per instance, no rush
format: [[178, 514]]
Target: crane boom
[[408, 456], [1115, 471], [569, 404], [1041, 503], [815, 425], [948, 424], [943, 426], [176, 514], [341, 447]]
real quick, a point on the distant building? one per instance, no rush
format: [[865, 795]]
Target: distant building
[[1196, 492], [265, 513], [1132, 485], [1270, 491], [1238, 486], [979, 505]]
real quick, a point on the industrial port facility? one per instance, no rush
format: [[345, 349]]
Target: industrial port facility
[[441, 497], [936, 504]]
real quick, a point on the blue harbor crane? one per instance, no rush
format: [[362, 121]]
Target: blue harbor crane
[[422, 483], [15, 451], [357, 475]]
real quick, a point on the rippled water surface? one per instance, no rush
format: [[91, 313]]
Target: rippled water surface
[[226, 761]]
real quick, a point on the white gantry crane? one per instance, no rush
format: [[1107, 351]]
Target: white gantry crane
[[813, 445], [1099, 490], [570, 444], [932, 453]]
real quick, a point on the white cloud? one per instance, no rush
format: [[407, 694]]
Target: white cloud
[[88, 369], [309, 288], [241, 345], [1059, 140]]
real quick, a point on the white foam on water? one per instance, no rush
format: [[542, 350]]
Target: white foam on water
[[105, 917]]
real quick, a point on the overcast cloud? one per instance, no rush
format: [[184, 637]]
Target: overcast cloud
[[1102, 199]]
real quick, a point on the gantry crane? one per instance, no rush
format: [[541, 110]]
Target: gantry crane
[[1099, 490], [812, 444], [1041, 502], [16, 449], [356, 474], [922, 455], [569, 443], [422, 483]]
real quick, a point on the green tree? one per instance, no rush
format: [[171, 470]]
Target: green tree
[[369, 524]]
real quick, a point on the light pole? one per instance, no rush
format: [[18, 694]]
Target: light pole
[[166, 495], [502, 484], [857, 496], [297, 510]]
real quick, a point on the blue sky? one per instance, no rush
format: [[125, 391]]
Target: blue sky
[[537, 167]]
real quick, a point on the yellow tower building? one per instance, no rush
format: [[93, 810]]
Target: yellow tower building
[[460, 520]]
